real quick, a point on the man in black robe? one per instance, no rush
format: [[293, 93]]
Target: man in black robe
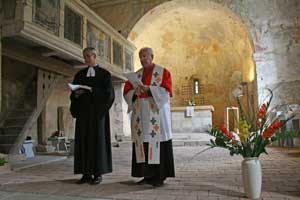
[[90, 104]]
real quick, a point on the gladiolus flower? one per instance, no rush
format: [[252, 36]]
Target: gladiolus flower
[[252, 137], [234, 142], [262, 112], [258, 123], [272, 129], [244, 130], [226, 132]]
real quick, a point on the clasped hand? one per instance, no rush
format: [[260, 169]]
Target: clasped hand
[[83, 89], [79, 92], [141, 89]]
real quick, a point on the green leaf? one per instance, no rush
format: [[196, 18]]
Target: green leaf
[[2, 161]]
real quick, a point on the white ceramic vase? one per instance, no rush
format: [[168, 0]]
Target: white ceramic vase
[[252, 177]]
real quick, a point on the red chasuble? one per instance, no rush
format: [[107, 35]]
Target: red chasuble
[[146, 79]]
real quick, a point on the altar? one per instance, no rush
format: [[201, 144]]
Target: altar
[[191, 119]]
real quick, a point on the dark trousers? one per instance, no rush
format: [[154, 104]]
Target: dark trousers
[[155, 171]]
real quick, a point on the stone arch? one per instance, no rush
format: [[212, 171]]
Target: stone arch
[[212, 43]]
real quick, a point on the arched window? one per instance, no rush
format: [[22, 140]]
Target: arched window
[[196, 87]]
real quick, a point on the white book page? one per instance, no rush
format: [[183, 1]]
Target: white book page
[[133, 78], [74, 87]]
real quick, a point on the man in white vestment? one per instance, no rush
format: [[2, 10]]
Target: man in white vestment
[[149, 102]]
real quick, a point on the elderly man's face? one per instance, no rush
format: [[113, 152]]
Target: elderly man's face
[[145, 58], [90, 59]]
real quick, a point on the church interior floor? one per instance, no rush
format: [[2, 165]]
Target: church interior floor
[[201, 173]]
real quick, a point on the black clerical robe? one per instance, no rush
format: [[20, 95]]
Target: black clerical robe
[[92, 133]]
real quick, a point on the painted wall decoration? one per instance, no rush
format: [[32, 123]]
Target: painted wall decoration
[[46, 14], [117, 54], [73, 26], [104, 46], [100, 41], [92, 35], [128, 60], [7, 9]]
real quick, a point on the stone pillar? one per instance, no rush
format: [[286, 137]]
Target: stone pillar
[[259, 59], [24, 10], [126, 117], [118, 115], [41, 123], [41, 132], [65, 122], [60, 119]]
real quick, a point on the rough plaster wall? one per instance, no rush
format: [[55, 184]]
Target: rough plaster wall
[[275, 29], [277, 34], [32, 132], [14, 76], [59, 98], [274, 26], [189, 36]]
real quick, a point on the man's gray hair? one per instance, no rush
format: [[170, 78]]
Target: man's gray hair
[[91, 50], [148, 49]]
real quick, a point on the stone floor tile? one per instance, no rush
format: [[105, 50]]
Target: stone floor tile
[[207, 175]]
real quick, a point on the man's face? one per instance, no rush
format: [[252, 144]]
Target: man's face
[[90, 59], [145, 58]]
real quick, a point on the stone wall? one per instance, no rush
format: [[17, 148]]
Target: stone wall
[[276, 31], [199, 122], [59, 98], [15, 77], [216, 53], [274, 28]]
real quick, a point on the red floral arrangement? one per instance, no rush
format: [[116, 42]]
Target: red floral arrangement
[[252, 137]]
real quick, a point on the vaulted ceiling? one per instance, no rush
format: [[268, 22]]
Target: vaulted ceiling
[[94, 4], [122, 15]]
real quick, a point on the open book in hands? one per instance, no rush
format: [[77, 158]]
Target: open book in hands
[[133, 78], [76, 87]]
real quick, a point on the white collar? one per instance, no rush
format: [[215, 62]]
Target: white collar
[[91, 72]]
